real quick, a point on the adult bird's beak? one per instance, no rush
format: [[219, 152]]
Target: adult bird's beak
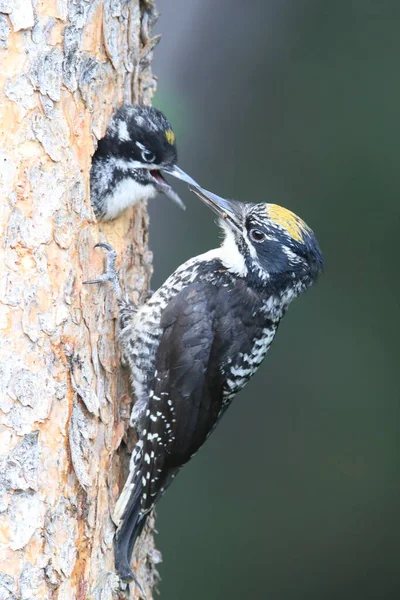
[[164, 187], [175, 171], [227, 210]]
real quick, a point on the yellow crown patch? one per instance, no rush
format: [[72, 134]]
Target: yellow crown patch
[[287, 220], [169, 134]]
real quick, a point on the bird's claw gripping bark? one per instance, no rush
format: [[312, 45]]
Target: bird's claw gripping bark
[[111, 272]]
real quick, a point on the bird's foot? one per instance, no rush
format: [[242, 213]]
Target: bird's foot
[[111, 272]]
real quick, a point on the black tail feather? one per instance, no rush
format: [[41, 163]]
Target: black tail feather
[[128, 532], [136, 533]]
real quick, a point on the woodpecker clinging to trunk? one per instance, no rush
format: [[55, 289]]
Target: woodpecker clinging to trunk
[[199, 339], [126, 167]]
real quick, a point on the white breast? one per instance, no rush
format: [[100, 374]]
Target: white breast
[[127, 192]]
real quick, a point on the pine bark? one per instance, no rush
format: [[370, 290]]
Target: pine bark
[[64, 400]]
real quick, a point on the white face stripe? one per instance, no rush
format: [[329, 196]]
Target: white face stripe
[[129, 165]]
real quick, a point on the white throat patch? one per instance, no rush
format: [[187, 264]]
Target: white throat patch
[[230, 255], [127, 192]]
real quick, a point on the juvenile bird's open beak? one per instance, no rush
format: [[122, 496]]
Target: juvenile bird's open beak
[[227, 210], [163, 186]]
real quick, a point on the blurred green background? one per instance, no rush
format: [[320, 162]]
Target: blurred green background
[[296, 494]]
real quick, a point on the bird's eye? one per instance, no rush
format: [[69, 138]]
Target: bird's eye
[[148, 156], [256, 235]]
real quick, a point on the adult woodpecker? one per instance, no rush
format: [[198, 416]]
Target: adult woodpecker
[[199, 339], [139, 143]]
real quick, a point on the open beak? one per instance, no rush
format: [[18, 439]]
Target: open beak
[[163, 186], [227, 210]]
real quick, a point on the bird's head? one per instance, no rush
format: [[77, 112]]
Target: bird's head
[[141, 143], [275, 244]]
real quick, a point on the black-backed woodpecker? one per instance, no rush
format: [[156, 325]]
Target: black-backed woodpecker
[[199, 339], [139, 143]]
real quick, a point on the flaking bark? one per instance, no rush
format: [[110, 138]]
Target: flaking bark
[[65, 66]]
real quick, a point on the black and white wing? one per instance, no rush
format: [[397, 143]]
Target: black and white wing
[[202, 327]]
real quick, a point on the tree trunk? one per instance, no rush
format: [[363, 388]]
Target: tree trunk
[[65, 66]]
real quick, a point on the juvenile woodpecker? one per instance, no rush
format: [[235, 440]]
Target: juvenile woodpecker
[[199, 339], [126, 167]]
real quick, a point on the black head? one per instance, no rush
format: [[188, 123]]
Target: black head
[[277, 246], [142, 134], [141, 138]]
